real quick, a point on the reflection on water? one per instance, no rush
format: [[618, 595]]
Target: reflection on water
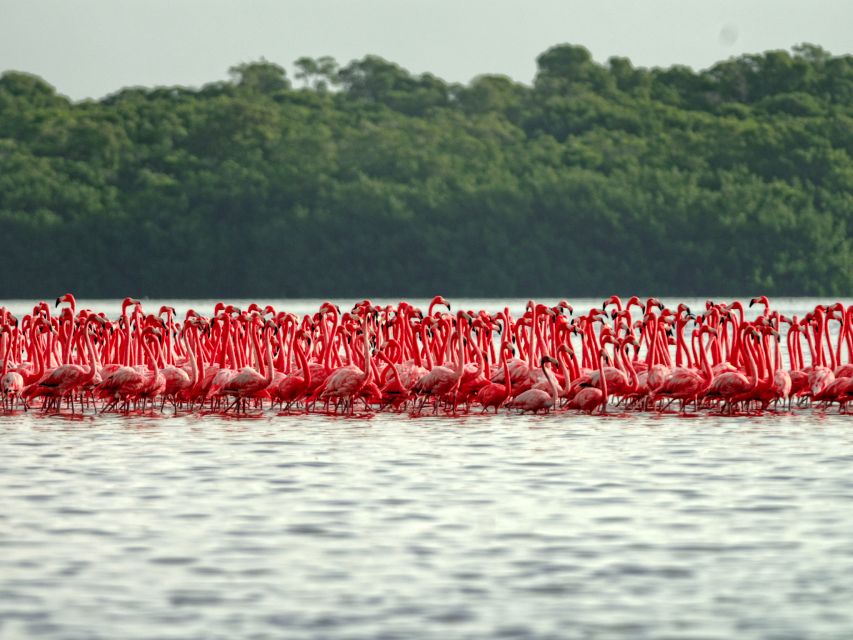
[[520, 527]]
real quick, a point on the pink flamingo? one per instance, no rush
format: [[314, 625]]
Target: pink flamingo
[[495, 394], [295, 387], [441, 380], [345, 384], [249, 382], [537, 400], [154, 382], [11, 382], [65, 379], [393, 392], [589, 399], [733, 386], [686, 385]]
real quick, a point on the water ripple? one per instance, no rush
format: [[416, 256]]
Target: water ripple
[[505, 527]]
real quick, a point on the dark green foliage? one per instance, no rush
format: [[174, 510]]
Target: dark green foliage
[[368, 180]]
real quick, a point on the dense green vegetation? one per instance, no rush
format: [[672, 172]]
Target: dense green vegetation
[[367, 180]]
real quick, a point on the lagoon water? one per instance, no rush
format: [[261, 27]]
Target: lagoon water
[[625, 526]]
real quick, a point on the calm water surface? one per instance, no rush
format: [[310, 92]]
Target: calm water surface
[[390, 527]]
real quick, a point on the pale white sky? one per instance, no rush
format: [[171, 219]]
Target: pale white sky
[[89, 48]]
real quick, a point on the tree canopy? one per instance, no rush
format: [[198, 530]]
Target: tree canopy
[[366, 179]]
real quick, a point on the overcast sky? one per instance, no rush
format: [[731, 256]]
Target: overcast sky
[[90, 48]]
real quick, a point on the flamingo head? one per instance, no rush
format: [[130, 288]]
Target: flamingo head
[[127, 302], [612, 300], [596, 314], [545, 309], [632, 341], [564, 304], [635, 301], [440, 300], [465, 315], [69, 298], [153, 321]]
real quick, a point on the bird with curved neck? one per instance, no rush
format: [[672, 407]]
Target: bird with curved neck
[[345, 383], [536, 400], [252, 382], [494, 394], [64, 381], [589, 399], [442, 381], [11, 382], [295, 386]]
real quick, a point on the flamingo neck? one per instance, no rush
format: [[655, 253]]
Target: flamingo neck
[[551, 382], [507, 377], [635, 380], [303, 362]]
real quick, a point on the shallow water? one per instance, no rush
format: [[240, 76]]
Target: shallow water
[[518, 527], [531, 527]]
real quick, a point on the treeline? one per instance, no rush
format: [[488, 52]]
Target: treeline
[[368, 180]]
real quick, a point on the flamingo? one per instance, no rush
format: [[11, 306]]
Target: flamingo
[[589, 399], [154, 382], [11, 382], [64, 380], [393, 391], [294, 387], [441, 380], [345, 383], [684, 384], [495, 394], [473, 379], [536, 400], [249, 382], [141, 358], [733, 386]]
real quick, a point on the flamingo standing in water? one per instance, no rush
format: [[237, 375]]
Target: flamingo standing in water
[[537, 400], [11, 382], [154, 383], [495, 394], [393, 392], [65, 380], [685, 384], [441, 380], [733, 386], [589, 399], [222, 357], [178, 381], [346, 383], [249, 382], [295, 387]]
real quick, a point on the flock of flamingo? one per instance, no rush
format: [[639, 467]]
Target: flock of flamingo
[[636, 356]]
